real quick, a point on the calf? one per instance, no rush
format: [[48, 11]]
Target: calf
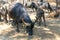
[[39, 15]]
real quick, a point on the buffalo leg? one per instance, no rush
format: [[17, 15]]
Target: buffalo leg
[[36, 20], [44, 20], [40, 21], [5, 18], [17, 27]]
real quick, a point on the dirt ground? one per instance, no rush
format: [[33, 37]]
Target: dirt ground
[[49, 32]]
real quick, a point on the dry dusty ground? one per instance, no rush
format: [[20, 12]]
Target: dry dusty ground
[[50, 32]]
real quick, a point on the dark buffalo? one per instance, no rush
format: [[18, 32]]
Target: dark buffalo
[[39, 16], [45, 5], [31, 5], [19, 15]]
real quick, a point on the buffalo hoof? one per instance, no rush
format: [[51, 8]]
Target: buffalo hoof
[[30, 32]]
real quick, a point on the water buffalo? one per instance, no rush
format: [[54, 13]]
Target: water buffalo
[[19, 15], [31, 5], [39, 16], [45, 5]]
